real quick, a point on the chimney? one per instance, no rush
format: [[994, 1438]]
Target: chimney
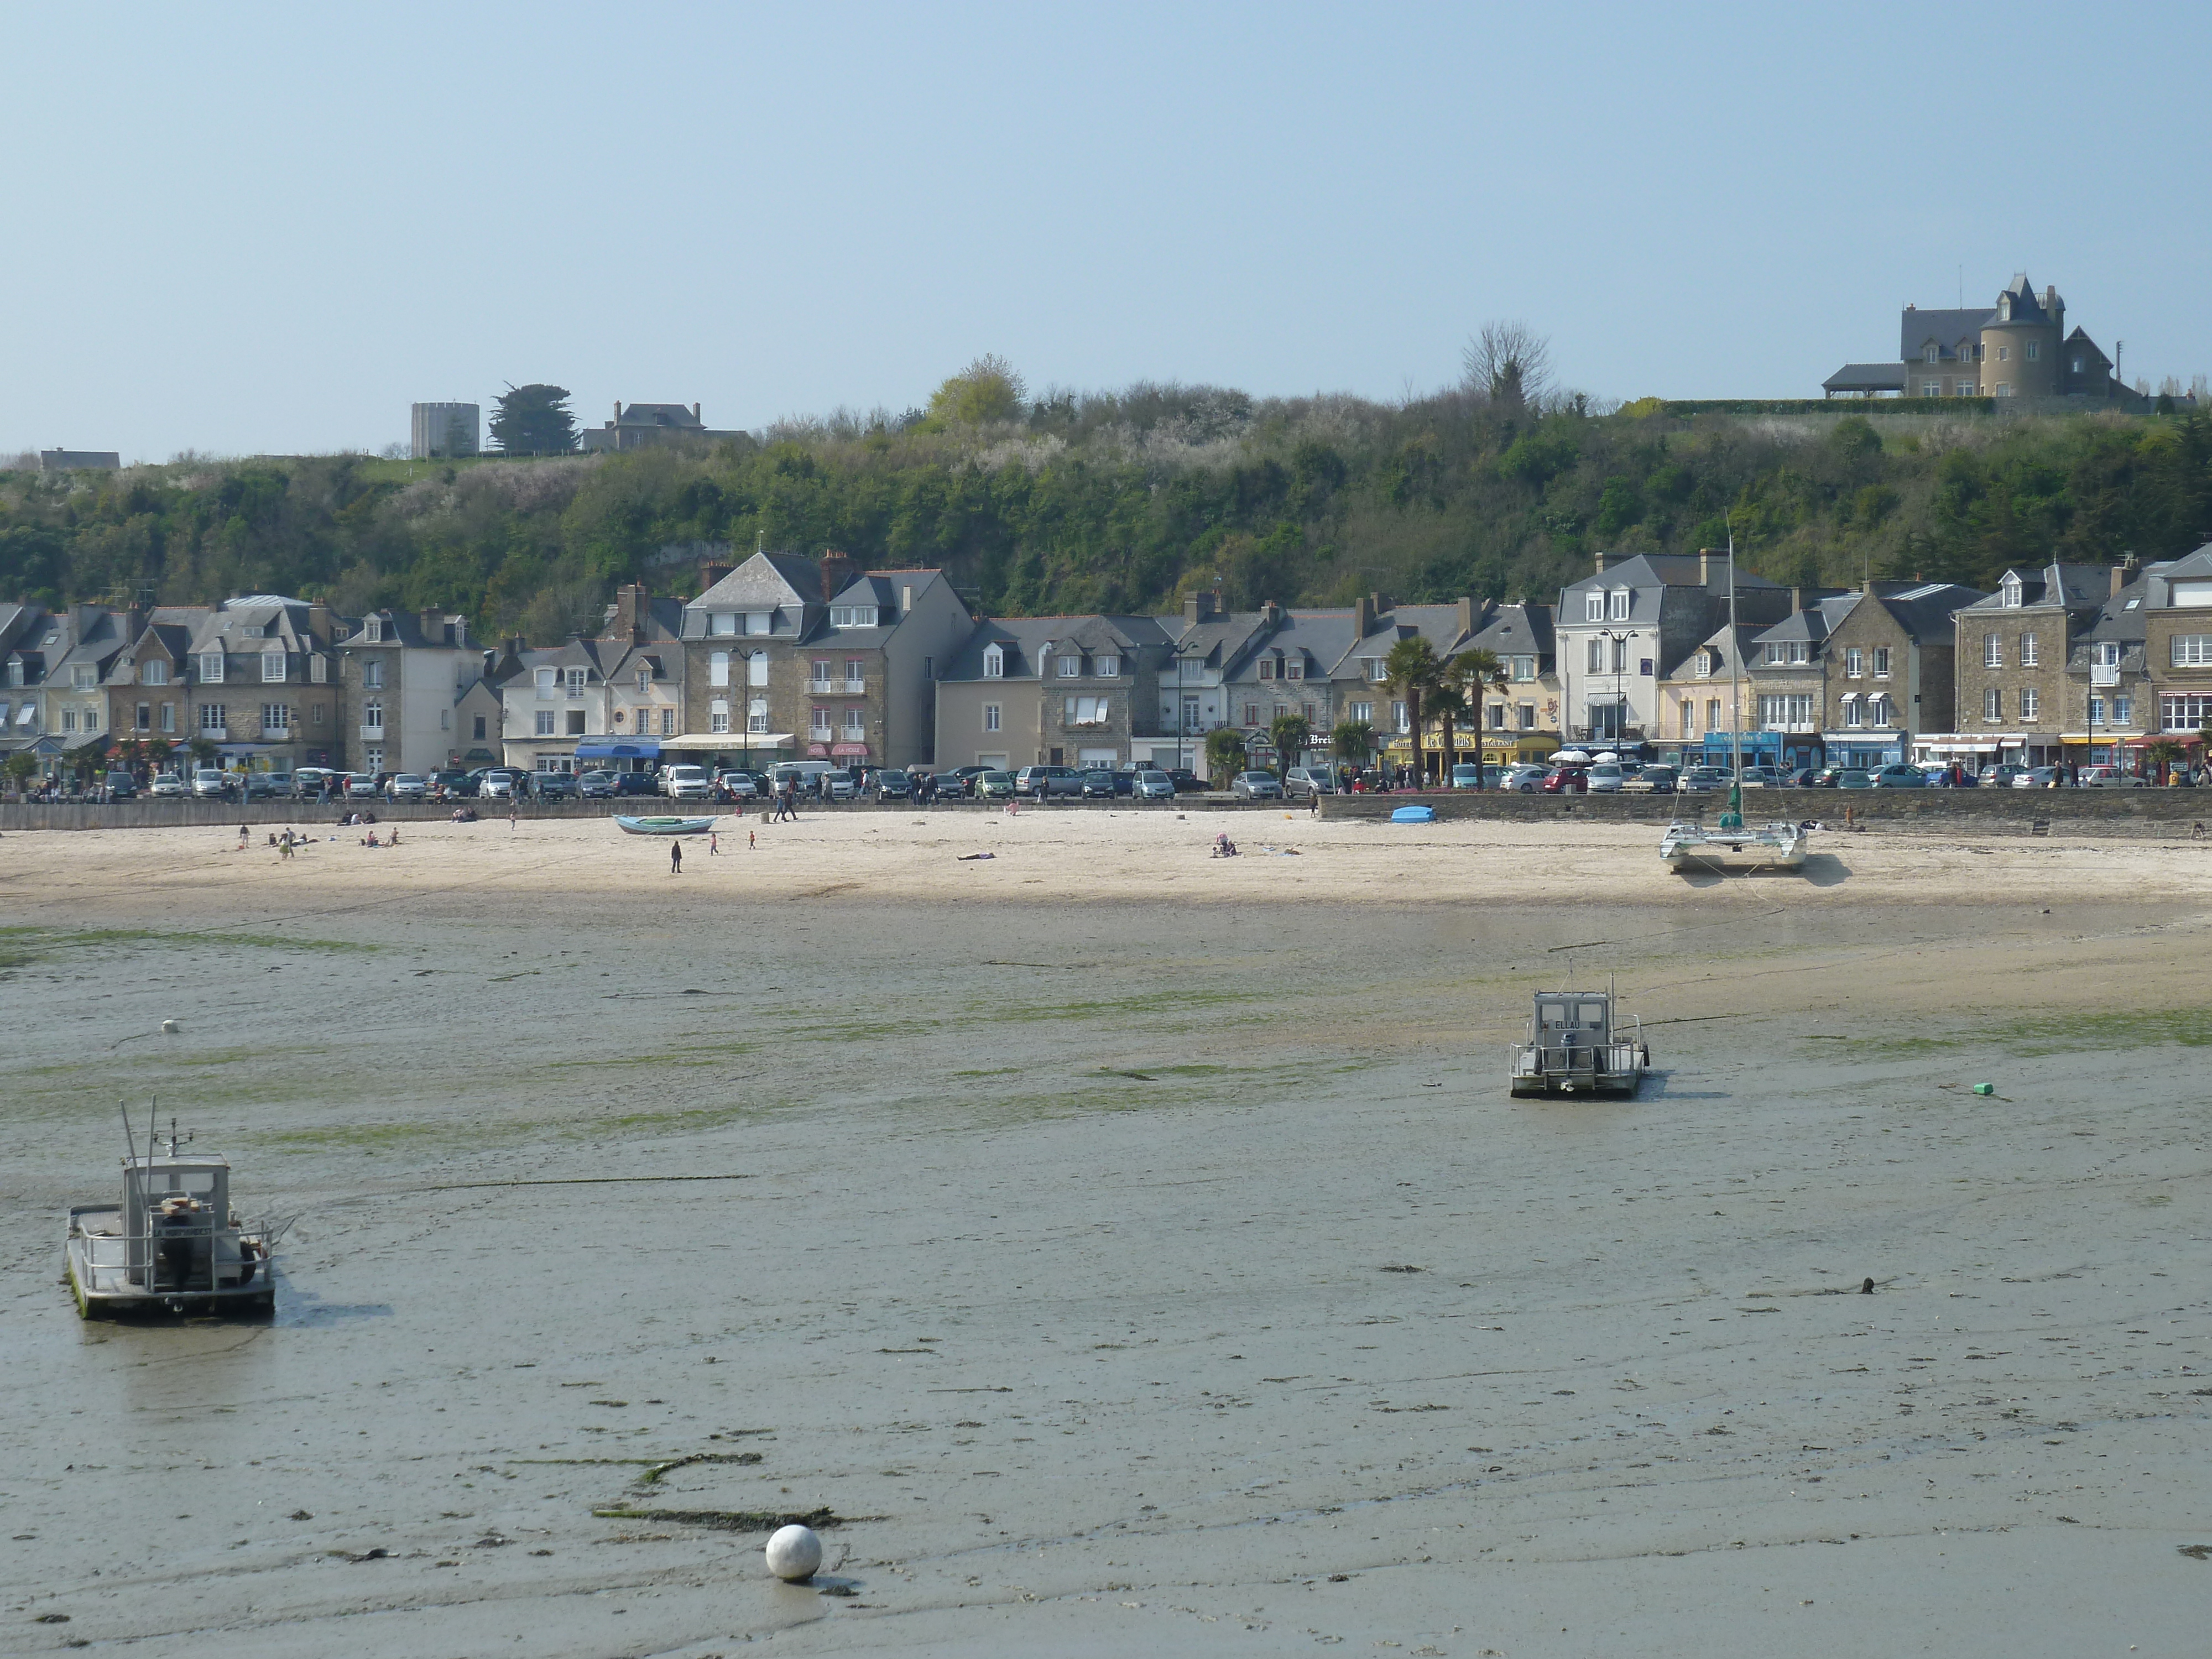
[[1798, 598], [1705, 558], [695, 415], [906, 600], [631, 600], [1198, 607], [1465, 617], [712, 571], [2123, 573], [319, 622], [1600, 557], [1271, 613], [433, 624], [618, 419], [838, 572], [1362, 616]]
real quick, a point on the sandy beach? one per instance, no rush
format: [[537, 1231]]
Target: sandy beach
[[1132, 1251]]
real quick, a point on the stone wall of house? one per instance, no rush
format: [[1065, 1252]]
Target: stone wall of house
[[2059, 706]]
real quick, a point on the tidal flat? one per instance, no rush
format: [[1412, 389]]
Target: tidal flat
[[1117, 1250]]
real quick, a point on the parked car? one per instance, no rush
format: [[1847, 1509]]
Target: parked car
[[1701, 780], [406, 786], [2112, 777], [1761, 777], [1304, 782], [1043, 783], [1186, 782], [166, 784], [1255, 786], [452, 781], [739, 785], [636, 783], [840, 784], [685, 782], [893, 784], [207, 784], [994, 785], [1825, 778], [1525, 777], [502, 783], [2035, 777], [121, 786], [1939, 776], [360, 786], [595, 785], [1604, 778], [1797, 777], [2001, 775], [1900, 776], [960, 780], [554, 786], [1655, 779], [1853, 777], [1464, 776], [1152, 784], [271, 784], [1095, 783], [1565, 781]]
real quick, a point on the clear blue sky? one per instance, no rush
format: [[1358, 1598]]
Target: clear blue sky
[[242, 228]]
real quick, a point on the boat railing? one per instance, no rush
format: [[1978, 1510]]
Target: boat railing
[[139, 1258]]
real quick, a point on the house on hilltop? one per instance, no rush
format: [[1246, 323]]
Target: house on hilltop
[[2016, 348]]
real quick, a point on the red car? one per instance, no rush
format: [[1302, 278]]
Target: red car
[[1567, 780]]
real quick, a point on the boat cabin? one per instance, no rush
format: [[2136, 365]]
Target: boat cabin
[[173, 1210], [1573, 1048]]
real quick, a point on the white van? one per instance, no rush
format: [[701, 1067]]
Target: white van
[[685, 782], [805, 776]]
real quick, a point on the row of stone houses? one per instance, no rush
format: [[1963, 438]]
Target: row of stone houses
[[784, 658]]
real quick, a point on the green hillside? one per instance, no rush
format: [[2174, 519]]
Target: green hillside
[[1119, 501]]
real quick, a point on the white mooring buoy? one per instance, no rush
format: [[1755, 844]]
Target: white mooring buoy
[[794, 1552]]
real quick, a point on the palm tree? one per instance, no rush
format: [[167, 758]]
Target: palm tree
[[1290, 733], [1478, 672], [1353, 742], [203, 751], [2162, 754], [1448, 702], [1410, 670], [1225, 754]]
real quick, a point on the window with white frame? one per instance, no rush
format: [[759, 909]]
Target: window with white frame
[[720, 623], [211, 668], [1070, 667], [2008, 592], [995, 663], [2192, 650], [1594, 605], [576, 677], [372, 675], [445, 719], [153, 671], [1878, 711], [756, 669], [372, 629], [757, 714], [990, 717], [548, 681], [2123, 711], [718, 715], [2184, 714], [818, 723], [1712, 714], [1881, 662], [1397, 716], [856, 670], [2096, 711], [1527, 711], [1855, 662], [856, 724], [545, 723], [1616, 606], [1370, 670], [169, 717], [718, 670], [2031, 703], [1992, 650], [851, 615], [1524, 670], [760, 621], [2028, 651], [272, 666], [817, 672], [276, 717], [645, 673], [1086, 711], [372, 713], [1992, 703], [1363, 712], [1852, 714], [2107, 654], [319, 669], [1594, 658], [83, 676], [69, 717], [1621, 656], [668, 722], [2034, 350], [213, 717]]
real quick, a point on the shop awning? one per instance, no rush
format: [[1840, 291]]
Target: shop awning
[[849, 750], [619, 749], [728, 742]]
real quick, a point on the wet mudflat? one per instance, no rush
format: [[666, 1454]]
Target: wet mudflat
[[1141, 1276]]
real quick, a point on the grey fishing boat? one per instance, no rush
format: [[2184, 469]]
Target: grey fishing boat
[[1577, 1046], [173, 1245]]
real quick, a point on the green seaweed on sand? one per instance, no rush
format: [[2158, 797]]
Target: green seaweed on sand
[[732, 1520], [30, 944]]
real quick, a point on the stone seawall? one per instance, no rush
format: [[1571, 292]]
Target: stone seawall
[[2157, 813]]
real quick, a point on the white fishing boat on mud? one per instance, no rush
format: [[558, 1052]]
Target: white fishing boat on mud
[[1577, 1046], [1688, 845], [173, 1245]]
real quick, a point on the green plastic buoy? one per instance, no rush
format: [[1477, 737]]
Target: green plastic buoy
[[1985, 1088]]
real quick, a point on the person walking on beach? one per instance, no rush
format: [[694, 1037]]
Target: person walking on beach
[[513, 814], [675, 857], [714, 842]]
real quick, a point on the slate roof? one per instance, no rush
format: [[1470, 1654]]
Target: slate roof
[[1866, 377], [2082, 585], [1946, 328], [1021, 638], [764, 582], [1510, 631]]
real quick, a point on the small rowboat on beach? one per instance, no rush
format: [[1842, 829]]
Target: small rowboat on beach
[[630, 826]]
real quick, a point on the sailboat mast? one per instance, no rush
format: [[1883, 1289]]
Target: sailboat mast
[[1736, 698]]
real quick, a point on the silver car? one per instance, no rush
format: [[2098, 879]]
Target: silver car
[[1606, 778], [1303, 782], [1153, 786], [405, 785], [1257, 786]]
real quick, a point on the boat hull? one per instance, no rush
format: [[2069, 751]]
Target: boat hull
[[660, 826], [1767, 846], [98, 1268]]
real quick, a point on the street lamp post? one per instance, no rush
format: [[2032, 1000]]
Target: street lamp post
[[1619, 679]]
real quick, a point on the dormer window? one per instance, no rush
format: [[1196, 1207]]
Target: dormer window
[[2008, 591], [1594, 608], [1617, 604], [1929, 353], [1266, 668], [851, 615], [211, 667], [372, 629], [2004, 311], [152, 672], [1295, 669], [995, 663]]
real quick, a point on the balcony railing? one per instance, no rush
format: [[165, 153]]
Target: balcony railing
[[821, 687], [372, 733], [217, 733], [856, 688], [2102, 673]]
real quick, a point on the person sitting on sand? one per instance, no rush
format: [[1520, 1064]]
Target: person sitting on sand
[[1223, 847]]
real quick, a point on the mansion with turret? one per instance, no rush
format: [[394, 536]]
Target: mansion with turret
[[2018, 347]]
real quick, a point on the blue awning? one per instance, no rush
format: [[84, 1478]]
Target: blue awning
[[634, 749]]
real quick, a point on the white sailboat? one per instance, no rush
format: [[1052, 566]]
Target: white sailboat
[[1688, 845]]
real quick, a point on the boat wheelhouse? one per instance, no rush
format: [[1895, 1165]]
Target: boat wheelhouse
[[1577, 1046], [172, 1245]]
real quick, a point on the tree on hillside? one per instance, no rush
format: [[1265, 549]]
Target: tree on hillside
[[1224, 755], [1509, 365], [1291, 734], [987, 390], [1411, 669], [534, 420]]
